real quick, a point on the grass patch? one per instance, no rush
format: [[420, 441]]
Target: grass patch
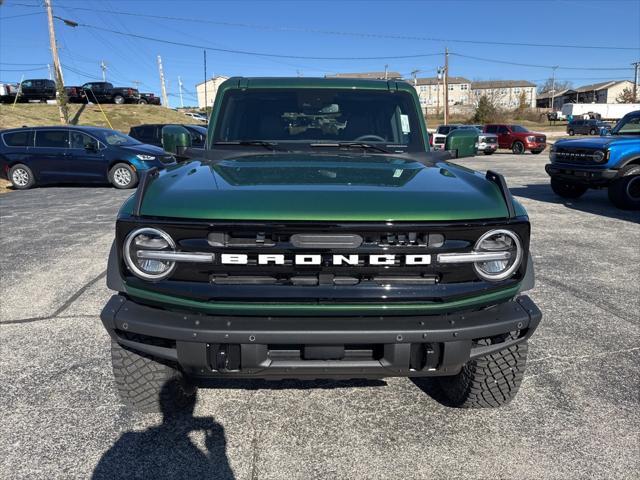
[[122, 117]]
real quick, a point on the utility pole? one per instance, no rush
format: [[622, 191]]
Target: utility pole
[[439, 74], [136, 83], [103, 67], [165, 100], [61, 96], [553, 88], [180, 90], [636, 65], [415, 79], [386, 72], [446, 85], [205, 81]]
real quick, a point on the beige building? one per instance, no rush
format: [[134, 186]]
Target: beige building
[[431, 91], [211, 89], [505, 93]]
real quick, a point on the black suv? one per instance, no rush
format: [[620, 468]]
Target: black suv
[[37, 89], [105, 92], [151, 134], [587, 127]]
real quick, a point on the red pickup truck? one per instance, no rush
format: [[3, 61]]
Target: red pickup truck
[[518, 138]]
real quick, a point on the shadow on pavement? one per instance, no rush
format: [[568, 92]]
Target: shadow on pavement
[[595, 202], [168, 451]]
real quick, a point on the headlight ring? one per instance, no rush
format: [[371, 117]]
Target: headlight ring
[[497, 270], [153, 239]]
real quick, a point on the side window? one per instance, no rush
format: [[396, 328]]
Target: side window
[[52, 138], [631, 127], [16, 139], [502, 130], [82, 140]]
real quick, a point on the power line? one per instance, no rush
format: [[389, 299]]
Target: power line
[[252, 53], [358, 34], [505, 62], [21, 15], [22, 69]]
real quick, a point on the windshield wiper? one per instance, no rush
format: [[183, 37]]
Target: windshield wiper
[[252, 143], [364, 146]]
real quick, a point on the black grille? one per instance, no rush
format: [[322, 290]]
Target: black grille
[[580, 156], [541, 139], [325, 282]]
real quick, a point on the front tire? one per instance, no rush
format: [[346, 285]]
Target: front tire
[[567, 189], [118, 99], [624, 192], [517, 148], [571, 132], [21, 177], [486, 382], [147, 385], [592, 131], [142, 101], [123, 176]]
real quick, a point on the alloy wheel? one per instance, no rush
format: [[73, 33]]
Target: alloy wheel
[[20, 177], [122, 177]]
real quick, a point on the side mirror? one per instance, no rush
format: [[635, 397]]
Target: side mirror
[[175, 139], [462, 141]]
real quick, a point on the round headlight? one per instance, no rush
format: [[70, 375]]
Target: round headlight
[[599, 156], [498, 241], [139, 248]]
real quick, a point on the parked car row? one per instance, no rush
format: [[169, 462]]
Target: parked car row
[[42, 90], [516, 138], [31, 156], [587, 127]]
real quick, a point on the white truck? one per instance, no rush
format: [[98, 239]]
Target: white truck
[[606, 111]]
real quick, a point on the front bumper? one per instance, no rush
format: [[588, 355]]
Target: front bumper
[[582, 175], [487, 147], [208, 346], [535, 146]]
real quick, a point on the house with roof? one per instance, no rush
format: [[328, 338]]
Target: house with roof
[[559, 98], [207, 91], [431, 91], [603, 92], [505, 93]]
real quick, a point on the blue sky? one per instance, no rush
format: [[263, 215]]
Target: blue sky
[[320, 29]]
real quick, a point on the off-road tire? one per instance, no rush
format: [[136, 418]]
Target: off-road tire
[[21, 177], [592, 131], [118, 173], [623, 190], [147, 385], [142, 101], [118, 99], [571, 132], [518, 148], [567, 189], [486, 382]]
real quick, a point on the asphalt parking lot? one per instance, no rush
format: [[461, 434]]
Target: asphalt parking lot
[[576, 415]]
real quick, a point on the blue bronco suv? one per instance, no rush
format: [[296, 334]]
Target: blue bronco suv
[[611, 161]]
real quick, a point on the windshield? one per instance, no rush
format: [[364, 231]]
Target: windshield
[[630, 126], [310, 116], [519, 129], [117, 139]]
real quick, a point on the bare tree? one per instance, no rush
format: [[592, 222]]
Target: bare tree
[[549, 85], [626, 96]]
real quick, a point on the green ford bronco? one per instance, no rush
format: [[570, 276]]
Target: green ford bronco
[[316, 236]]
